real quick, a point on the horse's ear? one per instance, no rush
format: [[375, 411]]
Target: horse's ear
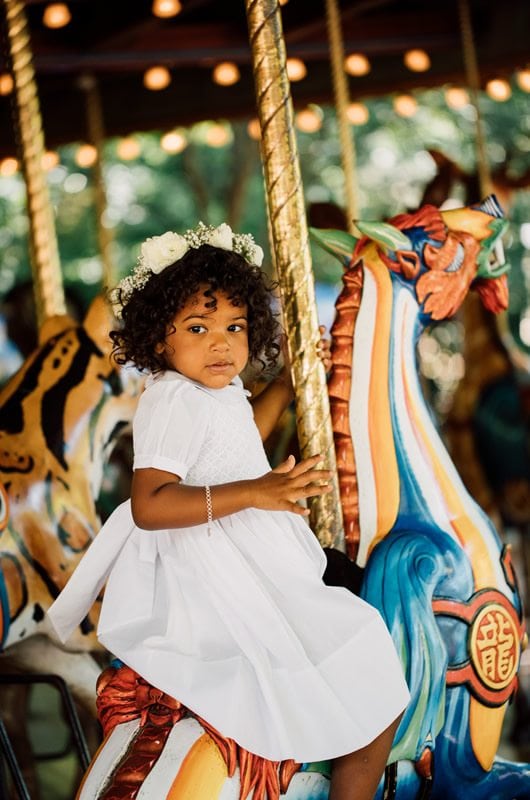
[[339, 243], [55, 325], [384, 234], [98, 322]]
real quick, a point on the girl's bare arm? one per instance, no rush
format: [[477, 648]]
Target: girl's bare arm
[[270, 404], [159, 500]]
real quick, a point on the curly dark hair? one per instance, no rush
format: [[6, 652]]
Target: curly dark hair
[[149, 312]]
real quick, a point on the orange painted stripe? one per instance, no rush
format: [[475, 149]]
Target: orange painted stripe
[[383, 454], [202, 773], [468, 533]]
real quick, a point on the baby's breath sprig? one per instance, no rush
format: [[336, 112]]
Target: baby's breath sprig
[[158, 252]]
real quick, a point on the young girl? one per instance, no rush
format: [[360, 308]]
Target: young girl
[[214, 591]]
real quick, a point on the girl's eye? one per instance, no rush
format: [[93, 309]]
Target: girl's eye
[[236, 328], [196, 329]]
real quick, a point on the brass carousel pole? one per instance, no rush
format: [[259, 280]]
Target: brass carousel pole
[[473, 80], [340, 90], [96, 135], [44, 253], [292, 254]]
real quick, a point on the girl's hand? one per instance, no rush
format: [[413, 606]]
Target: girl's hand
[[324, 349], [281, 488]]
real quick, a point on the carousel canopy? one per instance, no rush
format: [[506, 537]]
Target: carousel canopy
[[117, 41]]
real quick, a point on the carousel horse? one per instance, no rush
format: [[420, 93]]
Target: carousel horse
[[60, 416], [432, 561]]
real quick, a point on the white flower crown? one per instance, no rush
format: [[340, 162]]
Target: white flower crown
[[158, 252]]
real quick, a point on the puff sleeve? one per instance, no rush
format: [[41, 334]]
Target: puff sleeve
[[169, 427]]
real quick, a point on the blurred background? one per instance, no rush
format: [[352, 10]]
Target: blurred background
[[164, 89]]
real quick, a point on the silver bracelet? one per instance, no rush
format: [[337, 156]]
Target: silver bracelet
[[209, 508]]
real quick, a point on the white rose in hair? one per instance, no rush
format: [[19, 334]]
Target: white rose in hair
[[159, 252], [256, 256], [221, 237]]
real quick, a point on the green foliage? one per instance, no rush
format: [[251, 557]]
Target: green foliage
[[158, 191]]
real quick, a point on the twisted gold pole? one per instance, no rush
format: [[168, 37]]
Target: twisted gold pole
[[293, 259], [342, 100], [96, 135], [44, 254], [473, 80]]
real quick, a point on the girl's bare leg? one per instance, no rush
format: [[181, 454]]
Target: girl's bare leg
[[357, 775]]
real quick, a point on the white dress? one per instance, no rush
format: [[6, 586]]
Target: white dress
[[237, 625]]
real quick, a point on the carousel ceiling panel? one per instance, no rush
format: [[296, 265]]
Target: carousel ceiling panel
[[117, 40]]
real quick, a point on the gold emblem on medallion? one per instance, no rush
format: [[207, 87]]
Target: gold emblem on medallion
[[494, 646]]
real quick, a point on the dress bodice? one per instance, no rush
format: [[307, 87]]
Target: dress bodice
[[226, 443]]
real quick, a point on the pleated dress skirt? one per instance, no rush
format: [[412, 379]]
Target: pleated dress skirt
[[236, 623]]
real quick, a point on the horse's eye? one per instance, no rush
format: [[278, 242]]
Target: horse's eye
[[458, 260]]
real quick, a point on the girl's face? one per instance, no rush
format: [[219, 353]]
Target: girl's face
[[208, 345]]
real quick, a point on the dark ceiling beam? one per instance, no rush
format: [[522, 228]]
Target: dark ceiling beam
[[315, 26], [119, 39], [62, 61], [45, 2]]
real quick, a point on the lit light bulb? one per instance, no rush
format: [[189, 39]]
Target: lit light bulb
[[8, 167], [217, 135], [499, 89], [156, 78], [173, 142], [456, 97], [417, 60], [56, 15], [128, 148], [296, 69], [357, 64], [254, 129], [166, 8], [309, 120], [523, 79], [6, 83], [405, 105], [357, 113], [50, 159], [86, 156], [226, 73]]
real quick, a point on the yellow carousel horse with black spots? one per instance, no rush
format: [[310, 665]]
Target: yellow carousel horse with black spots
[[60, 416]]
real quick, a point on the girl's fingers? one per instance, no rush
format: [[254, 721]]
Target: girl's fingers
[[324, 352], [313, 491], [295, 508], [305, 465], [318, 478], [285, 466], [311, 476]]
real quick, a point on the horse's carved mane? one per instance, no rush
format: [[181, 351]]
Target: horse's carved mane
[[339, 388], [427, 217], [123, 695]]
